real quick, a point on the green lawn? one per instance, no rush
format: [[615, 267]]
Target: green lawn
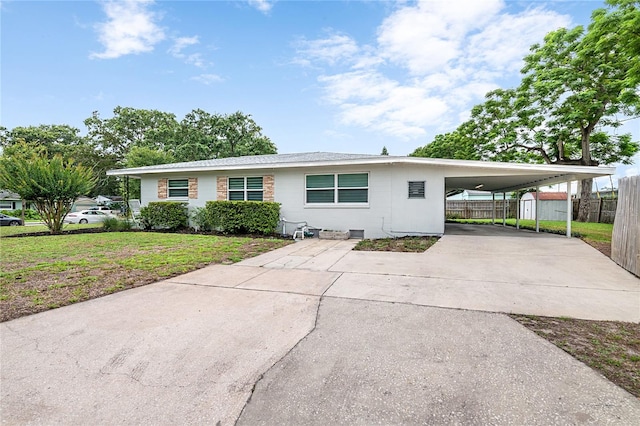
[[15, 230], [600, 232], [44, 272]]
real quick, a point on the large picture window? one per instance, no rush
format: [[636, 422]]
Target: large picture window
[[178, 188], [343, 188], [245, 189]]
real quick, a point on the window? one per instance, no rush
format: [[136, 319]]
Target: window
[[178, 188], [338, 188], [6, 205], [245, 189], [416, 189]]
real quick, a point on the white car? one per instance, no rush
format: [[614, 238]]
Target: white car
[[87, 216]]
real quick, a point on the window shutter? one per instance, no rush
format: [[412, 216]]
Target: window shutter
[[416, 189]]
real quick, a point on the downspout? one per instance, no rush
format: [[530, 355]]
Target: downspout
[[504, 209], [493, 208]]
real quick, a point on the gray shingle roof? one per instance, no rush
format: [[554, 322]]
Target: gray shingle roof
[[253, 160]]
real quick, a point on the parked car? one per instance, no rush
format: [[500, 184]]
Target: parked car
[[105, 209], [87, 216], [6, 220]]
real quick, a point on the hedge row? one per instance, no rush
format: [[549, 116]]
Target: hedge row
[[243, 217], [28, 214], [170, 215]]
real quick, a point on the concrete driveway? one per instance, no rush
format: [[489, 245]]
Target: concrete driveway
[[315, 333]]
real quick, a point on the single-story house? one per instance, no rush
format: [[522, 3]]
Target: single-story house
[[375, 195], [10, 200], [552, 205], [82, 203]]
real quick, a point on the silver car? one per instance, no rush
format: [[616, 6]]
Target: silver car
[[87, 216]]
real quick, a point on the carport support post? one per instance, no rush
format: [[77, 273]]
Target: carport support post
[[569, 209], [493, 209], [517, 209], [504, 209], [537, 210]]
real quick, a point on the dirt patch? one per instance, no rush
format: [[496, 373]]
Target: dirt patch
[[404, 244], [610, 347], [602, 247]]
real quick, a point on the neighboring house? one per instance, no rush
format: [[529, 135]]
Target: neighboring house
[[10, 201], [475, 195], [82, 203], [378, 194], [553, 205]]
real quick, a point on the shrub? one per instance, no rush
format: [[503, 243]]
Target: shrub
[[200, 219], [111, 224], [28, 214], [244, 217], [171, 215]]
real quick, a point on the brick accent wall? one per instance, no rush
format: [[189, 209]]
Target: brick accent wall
[[268, 186], [193, 188], [163, 190], [221, 188]]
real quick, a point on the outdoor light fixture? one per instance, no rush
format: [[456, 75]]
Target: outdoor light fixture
[[479, 186]]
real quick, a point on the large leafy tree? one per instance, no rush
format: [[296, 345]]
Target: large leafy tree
[[206, 136], [60, 139], [140, 156], [52, 184], [132, 127], [577, 87]]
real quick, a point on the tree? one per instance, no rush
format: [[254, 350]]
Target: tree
[[64, 140], [140, 156], [132, 127], [384, 151], [459, 144], [576, 87], [51, 184]]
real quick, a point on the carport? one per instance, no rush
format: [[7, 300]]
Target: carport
[[502, 178]]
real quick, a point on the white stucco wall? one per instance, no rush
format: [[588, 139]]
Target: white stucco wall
[[389, 212], [206, 188]]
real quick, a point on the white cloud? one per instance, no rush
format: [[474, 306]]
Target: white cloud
[[329, 50], [263, 6], [180, 43], [208, 79], [431, 62], [131, 28]]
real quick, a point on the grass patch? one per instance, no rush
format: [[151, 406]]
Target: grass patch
[[404, 244], [8, 231], [42, 272], [610, 347]]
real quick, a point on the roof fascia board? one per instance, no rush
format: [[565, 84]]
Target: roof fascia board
[[602, 171], [548, 181]]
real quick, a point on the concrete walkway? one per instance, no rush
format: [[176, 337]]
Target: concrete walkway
[[319, 332]]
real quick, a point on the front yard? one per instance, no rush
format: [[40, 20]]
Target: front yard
[[45, 272]]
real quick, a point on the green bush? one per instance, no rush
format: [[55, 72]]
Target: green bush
[[28, 214], [200, 219], [244, 217], [115, 224], [171, 215]]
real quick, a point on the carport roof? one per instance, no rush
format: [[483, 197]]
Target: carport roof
[[459, 174]]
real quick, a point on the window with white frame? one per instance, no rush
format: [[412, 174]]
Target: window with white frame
[[6, 205], [245, 189], [178, 188], [337, 188], [416, 189]]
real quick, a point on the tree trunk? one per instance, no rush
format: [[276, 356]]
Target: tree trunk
[[585, 197]]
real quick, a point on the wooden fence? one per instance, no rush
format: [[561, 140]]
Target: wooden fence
[[625, 241], [480, 209], [601, 210]]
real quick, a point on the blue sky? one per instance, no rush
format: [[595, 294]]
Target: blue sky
[[343, 76]]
